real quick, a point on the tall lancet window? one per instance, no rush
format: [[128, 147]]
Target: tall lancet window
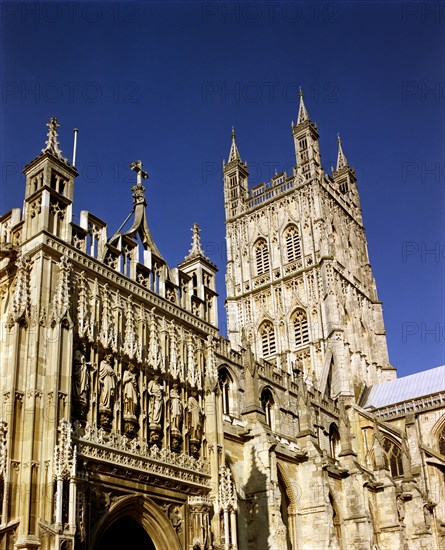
[[293, 246], [224, 384], [267, 404], [393, 457], [301, 329], [262, 260], [267, 336]]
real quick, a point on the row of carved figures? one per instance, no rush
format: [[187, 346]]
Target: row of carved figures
[[162, 405]]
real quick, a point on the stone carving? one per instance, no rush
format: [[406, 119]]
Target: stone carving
[[195, 424], [155, 356], [193, 371], [21, 299], [130, 399], [199, 522], [174, 514], [61, 300], [81, 380], [64, 463], [106, 329], [176, 416], [3, 448], [84, 322], [211, 375], [228, 499], [174, 363], [129, 382], [107, 381], [155, 403], [131, 344]]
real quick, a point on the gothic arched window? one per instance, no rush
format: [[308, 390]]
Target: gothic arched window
[[301, 329], [224, 384], [262, 261], [393, 457], [267, 335], [293, 246], [267, 404]]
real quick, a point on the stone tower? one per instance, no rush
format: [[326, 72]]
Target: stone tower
[[299, 282]]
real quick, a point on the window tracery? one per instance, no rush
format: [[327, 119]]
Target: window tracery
[[293, 245], [262, 260], [267, 336], [301, 328], [393, 457]]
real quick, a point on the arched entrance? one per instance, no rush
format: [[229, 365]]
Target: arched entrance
[[135, 522], [125, 532]]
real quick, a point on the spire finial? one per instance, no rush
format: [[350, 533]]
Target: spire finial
[[303, 115], [341, 158], [196, 249], [234, 153], [138, 189], [52, 144], [300, 94]]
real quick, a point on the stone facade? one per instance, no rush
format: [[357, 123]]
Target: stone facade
[[127, 419]]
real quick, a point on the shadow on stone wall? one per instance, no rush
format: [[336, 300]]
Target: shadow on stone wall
[[254, 528]]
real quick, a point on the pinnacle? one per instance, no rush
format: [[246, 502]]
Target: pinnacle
[[196, 249], [234, 153], [303, 115], [341, 159], [52, 143]]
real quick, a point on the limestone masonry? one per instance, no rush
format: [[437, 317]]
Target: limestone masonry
[[128, 421]]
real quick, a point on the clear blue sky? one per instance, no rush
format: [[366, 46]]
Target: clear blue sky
[[164, 82]]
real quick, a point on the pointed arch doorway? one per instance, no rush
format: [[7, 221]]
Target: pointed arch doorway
[[135, 522], [125, 532]]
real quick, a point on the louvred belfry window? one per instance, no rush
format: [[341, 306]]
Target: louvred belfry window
[[301, 329], [261, 257], [293, 246], [268, 344]]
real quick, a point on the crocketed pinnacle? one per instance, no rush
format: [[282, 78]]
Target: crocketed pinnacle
[[234, 153], [196, 249], [303, 115], [52, 143], [341, 159]]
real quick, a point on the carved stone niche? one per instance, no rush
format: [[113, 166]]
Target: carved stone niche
[[195, 446], [155, 437], [131, 426], [105, 418], [176, 441]]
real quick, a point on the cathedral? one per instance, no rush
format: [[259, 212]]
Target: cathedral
[[127, 420]]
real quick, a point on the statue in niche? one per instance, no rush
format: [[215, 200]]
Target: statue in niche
[[176, 409], [81, 379], [176, 416], [195, 424], [129, 383], [107, 381], [155, 401]]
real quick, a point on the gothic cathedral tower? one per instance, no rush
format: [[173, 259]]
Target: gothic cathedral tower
[[299, 283]]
